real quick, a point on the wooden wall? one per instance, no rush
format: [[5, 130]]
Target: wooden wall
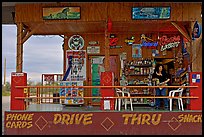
[[146, 52], [117, 11]]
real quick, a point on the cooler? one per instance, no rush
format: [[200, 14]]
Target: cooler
[[196, 80], [18, 79], [107, 79]]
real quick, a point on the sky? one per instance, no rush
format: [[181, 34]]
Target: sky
[[41, 54]]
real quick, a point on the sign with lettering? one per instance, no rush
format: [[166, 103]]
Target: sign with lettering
[[17, 74], [108, 123], [168, 43], [93, 49], [93, 43], [151, 45], [76, 61]]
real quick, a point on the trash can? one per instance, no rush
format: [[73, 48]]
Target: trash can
[[56, 101]]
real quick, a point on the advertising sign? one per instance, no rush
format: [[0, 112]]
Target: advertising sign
[[50, 13], [77, 59], [151, 13], [103, 123]]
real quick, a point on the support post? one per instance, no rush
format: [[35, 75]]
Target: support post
[[19, 58], [107, 52], [65, 48]]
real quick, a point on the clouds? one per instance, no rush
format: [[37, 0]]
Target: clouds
[[41, 54]]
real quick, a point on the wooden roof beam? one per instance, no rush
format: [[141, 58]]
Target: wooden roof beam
[[30, 33], [183, 32]]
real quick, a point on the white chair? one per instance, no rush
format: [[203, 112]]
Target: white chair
[[120, 101], [172, 95]]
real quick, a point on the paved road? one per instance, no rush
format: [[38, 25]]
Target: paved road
[[5, 107]]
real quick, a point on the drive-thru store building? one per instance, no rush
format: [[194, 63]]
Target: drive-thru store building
[[107, 44]]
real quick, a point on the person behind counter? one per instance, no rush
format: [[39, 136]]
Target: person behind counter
[[161, 78]]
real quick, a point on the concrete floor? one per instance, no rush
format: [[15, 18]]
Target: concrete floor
[[5, 107], [77, 108]]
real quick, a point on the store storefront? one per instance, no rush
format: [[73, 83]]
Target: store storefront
[[116, 44]]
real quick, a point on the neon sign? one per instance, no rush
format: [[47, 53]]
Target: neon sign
[[113, 42], [152, 45], [168, 43], [130, 41]]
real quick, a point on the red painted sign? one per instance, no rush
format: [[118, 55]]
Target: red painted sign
[[113, 41], [103, 123], [49, 77]]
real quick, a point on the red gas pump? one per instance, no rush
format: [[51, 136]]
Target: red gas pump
[[107, 79], [196, 80], [18, 79]]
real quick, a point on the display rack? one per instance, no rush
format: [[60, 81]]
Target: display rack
[[142, 92], [138, 73], [69, 93]]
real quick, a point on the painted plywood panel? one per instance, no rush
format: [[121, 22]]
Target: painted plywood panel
[[118, 11], [103, 123]]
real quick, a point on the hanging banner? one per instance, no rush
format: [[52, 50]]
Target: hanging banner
[[77, 58]]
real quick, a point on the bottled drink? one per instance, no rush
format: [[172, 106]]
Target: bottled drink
[[141, 71], [144, 71]]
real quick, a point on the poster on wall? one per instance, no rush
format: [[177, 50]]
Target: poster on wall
[[136, 51], [77, 59], [96, 81], [69, 13], [151, 13]]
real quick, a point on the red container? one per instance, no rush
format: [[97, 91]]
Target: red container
[[18, 79], [196, 80], [107, 79]]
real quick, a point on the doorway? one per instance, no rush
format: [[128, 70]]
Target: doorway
[[96, 65]]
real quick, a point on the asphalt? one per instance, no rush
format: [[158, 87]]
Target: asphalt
[[5, 107]]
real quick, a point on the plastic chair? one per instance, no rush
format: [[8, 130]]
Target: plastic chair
[[125, 101], [172, 95], [118, 100]]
